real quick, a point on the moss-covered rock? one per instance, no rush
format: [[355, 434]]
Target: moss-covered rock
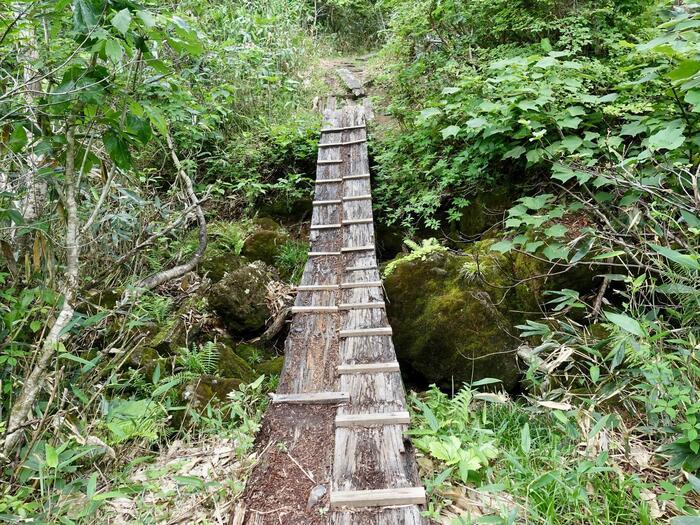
[[239, 298], [454, 315]]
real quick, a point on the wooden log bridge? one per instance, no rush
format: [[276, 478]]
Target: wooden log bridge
[[332, 448]]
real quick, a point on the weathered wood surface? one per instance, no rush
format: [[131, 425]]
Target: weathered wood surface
[[340, 342]]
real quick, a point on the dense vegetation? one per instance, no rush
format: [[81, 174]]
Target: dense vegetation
[[146, 147]]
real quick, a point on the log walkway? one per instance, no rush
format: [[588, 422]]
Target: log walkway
[[332, 446]]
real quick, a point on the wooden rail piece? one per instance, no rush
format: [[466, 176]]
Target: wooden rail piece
[[339, 144], [365, 248], [325, 226], [378, 498], [319, 398], [361, 306], [365, 332], [375, 418], [314, 309], [358, 177], [361, 284], [369, 368], [317, 287], [357, 197], [328, 202], [338, 129]]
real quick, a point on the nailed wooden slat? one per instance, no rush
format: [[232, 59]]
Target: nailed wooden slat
[[360, 306], [357, 248], [326, 202], [357, 197], [316, 287], [323, 254], [378, 497], [329, 161], [320, 398], [343, 128], [375, 418], [349, 222], [361, 268], [369, 368], [328, 181], [361, 284], [324, 226], [313, 309], [365, 332], [346, 143], [360, 176]]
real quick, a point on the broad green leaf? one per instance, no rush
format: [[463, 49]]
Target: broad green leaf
[[625, 322], [668, 139], [122, 20]]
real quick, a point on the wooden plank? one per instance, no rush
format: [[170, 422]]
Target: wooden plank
[[360, 176], [350, 222], [316, 287], [361, 268], [367, 247], [375, 418], [327, 202], [358, 197], [329, 161], [319, 398], [361, 306], [313, 309], [361, 284], [369, 368], [343, 128], [323, 254], [378, 497], [346, 143], [324, 226], [365, 332]]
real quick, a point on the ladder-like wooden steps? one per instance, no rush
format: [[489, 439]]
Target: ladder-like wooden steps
[[317, 398], [362, 284], [343, 128], [369, 368], [375, 418], [368, 247], [327, 202], [338, 144], [324, 226], [314, 309], [348, 222], [357, 198], [365, 332], [378, 498], [360, 176], [361, 306]]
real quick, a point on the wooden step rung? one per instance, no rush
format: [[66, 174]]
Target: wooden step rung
[[361, 284], [348, 222], [343, 128], [323, 254], [329, 161], [327, 202], [318, 398], [358, 176], [361, 268], [316, 287], [361, 306], [375, 418], [369, 368], [358, 197], [324, 226], [365, 332], [328, 181], [357, 248], [378, 497], [346, 143], [313, 309]]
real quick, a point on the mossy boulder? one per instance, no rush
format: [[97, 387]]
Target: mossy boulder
[[239, 298]]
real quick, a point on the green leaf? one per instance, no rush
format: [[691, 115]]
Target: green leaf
[[450, 131], [625, 322], [668, 139], [122, 20], [117, 148], [687, 261], [51, 456]]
